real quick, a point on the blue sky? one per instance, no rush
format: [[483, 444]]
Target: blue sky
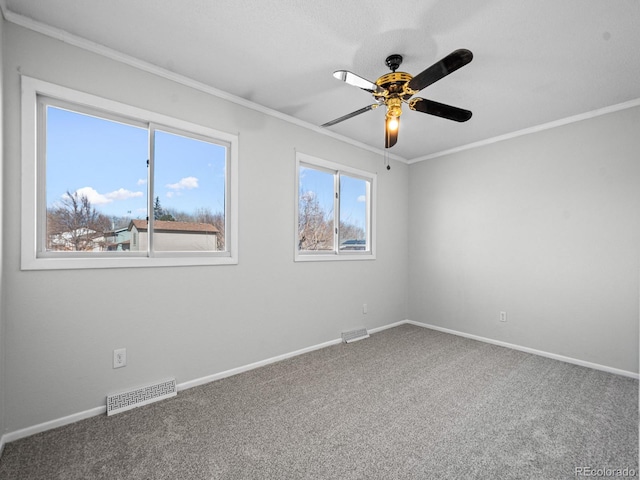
[[106, 161], [352, 195]]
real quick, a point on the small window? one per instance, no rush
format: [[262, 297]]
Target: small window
[[334, 211], [114, 186]]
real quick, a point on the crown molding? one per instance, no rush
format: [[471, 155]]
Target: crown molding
[[115, 55], [526, 131], [123, 58]]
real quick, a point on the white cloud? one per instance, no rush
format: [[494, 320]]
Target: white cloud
[[97, 198], [362, 198], [186, 183], [122, 194], [142, 181], [169, 194], [92, 195]]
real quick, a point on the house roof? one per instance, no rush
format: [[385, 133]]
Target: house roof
[[174, 227]]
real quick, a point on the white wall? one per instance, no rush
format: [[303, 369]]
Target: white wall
[[187, 322], [545, 227]]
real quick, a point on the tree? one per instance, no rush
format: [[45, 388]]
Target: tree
[[157, 209], [75, 224], [160, 213], [349, 231], [315, 227]]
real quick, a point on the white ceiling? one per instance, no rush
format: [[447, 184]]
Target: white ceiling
[[535, 61]]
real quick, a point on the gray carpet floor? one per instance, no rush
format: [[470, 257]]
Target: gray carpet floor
[[407, 403]]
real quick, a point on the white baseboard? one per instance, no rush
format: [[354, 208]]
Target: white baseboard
[[59, 422], [541, 353], [251, 366], [278, 358], [101, 410], [386, 327]]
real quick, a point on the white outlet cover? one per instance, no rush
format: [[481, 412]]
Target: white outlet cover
[[119, 357]]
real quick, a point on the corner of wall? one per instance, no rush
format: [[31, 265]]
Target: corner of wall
[[2, 422]]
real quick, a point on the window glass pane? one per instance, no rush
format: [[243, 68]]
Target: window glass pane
[[315, 210], [189, 190], [353, 214], [96, 177]]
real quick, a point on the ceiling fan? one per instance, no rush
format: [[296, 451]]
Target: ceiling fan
[[396, 88]]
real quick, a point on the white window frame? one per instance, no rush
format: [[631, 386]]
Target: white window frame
[[33, 256], [336, 169]]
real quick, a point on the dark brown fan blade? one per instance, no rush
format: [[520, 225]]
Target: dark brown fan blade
[[349, 115], [357, 81], [439, 109], [390, 136], [444, 67]]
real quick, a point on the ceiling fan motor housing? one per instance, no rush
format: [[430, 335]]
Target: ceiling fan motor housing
[[394, 85]]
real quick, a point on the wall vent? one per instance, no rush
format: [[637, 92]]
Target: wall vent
[[121, 402], [355, 335]]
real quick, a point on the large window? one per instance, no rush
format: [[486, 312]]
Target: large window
[[334, 211], [109, 185]]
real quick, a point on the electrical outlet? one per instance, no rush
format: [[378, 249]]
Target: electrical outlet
[[503, 316], [364, 308], [120, 358]]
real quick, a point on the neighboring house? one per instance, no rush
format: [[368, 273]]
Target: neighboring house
[[174, 236], [85, 238], [118, 239], [353, 245]]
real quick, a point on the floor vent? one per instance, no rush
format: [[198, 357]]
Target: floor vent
[[121, 402], [355, 335]]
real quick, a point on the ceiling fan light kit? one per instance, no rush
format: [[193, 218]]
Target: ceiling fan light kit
[[395, 88]]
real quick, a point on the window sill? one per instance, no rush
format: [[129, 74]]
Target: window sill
[[332, 257], [58, 263]]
